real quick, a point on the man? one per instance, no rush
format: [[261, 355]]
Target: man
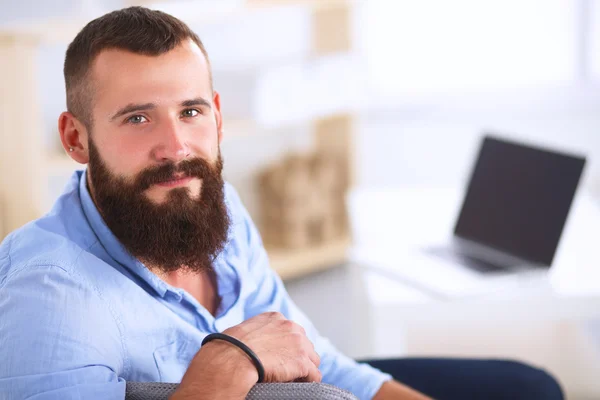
[[148, 251]]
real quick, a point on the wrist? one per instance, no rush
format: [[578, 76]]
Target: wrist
[[241, 346], [226, 371], [235, 364]]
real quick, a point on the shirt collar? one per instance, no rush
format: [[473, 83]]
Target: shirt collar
[[110, 242]]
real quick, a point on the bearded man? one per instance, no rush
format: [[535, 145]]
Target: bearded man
[[148, 252]]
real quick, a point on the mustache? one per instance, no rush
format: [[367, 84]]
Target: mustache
[[194, 168]]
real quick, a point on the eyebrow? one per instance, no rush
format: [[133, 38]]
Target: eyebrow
[[198, 101], [129, 108]]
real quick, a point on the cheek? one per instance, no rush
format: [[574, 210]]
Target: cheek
[[124, 157], [202, 137], [205, 145]]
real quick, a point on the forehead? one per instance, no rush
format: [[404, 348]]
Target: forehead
[[123, 77]]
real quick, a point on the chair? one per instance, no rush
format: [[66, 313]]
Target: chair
[[260, 391]]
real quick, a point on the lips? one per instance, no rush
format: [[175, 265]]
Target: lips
[[172, 175], [177, 180]]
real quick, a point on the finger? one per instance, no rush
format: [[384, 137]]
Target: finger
[[314, 356], [314, 375], [309, 351], [298, 328]]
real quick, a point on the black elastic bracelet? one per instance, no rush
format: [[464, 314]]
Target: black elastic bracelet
[[246, 349]]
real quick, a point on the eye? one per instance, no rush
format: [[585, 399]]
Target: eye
[[136, 119], [190, 112]]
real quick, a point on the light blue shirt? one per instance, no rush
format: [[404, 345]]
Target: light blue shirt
[[79, 316]]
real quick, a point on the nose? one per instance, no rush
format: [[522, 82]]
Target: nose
[[173, 145]]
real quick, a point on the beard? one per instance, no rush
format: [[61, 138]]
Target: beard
[[186, 231]]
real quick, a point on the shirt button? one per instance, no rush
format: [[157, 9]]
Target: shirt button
[[174, 295]]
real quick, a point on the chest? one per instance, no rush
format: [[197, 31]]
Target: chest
[[162, 335], [199, 286], [204, 290]]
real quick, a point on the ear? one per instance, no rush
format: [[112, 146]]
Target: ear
[[73, 135], [218, 115]]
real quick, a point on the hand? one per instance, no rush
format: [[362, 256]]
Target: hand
[[221, 370], [281, 345]]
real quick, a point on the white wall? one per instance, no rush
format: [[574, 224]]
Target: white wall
[[442, 73], [594, 58], [27, 10], [427, 48], [439, 147]]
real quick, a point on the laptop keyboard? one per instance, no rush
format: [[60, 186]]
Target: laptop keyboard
[[477, 264]]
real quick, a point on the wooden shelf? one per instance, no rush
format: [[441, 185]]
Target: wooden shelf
[[291, 264]]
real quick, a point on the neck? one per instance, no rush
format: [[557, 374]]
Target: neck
[[202, 285]]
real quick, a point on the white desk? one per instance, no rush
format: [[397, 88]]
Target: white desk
[[391, 226], [542, 319]]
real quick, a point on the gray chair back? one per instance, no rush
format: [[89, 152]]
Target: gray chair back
[[260, 391]]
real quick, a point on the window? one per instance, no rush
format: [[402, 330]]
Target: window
[[436, 47]]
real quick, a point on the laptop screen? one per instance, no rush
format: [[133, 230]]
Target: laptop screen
[[518, 199]]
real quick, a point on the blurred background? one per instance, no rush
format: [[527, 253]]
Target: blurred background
[[399, 94]]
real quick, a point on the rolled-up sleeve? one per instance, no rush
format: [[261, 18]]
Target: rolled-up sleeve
[[49, 346], [361, 379]]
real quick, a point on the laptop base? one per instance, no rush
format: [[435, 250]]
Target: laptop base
[[479, 264]]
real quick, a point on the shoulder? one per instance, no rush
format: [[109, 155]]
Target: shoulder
[[44, 242], [35, 261], [52, 313], [50, 265], [59, 238], [47, 308], [47, 285]]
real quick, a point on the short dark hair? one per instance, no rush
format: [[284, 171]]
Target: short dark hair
[[135, 29]]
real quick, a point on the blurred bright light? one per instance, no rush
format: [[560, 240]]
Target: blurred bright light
[[594, 48], [432, 46]]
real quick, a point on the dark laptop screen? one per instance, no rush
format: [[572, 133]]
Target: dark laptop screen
[[519, 198]]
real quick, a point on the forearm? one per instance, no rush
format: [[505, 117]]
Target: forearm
[[224, 374], [393, 390]]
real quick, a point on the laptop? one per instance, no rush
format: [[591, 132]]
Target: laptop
[[515, 208]]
